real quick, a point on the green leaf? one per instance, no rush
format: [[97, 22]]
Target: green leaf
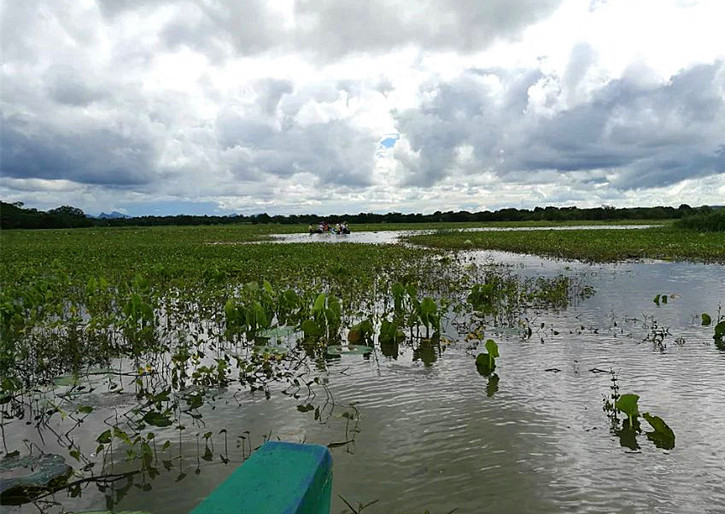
[[627, 403], [719, 330], [120, 434], [492, 348], [485, 364], [85, 409], [706, 319], [194, 401], [662, 436], [105, 437], [657, 300], [310, 328], [390, 333], [319, 304], [157, 419]]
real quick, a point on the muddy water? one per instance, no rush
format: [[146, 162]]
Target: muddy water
[[435, 435]]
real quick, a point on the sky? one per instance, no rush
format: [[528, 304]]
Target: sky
[[158, 107]]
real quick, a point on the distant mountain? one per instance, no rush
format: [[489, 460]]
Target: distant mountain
[[112, 215]]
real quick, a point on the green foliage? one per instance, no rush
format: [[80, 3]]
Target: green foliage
[[627, 403], [361, 332], [663, 242], [719, 332], [661, 435], [486, 362], [708, 221]]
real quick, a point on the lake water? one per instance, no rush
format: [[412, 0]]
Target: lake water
[[393, 236], [429, 433]]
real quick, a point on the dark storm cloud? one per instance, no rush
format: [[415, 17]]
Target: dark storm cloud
[[650, 135], [93, 156], [65, 85]]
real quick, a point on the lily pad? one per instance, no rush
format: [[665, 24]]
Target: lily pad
[[350, 349], [25, 477]]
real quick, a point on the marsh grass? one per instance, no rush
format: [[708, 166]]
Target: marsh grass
[[667, 243]]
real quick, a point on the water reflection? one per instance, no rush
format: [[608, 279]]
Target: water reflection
[[394, 236], [428, 431]]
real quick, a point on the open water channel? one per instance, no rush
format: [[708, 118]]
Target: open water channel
[[424, 431]]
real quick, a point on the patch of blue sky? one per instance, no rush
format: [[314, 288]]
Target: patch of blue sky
[[390, 140]]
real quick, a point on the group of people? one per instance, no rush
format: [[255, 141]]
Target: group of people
[[323, 228]]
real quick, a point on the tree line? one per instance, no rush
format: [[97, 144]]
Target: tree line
[[14, 215]]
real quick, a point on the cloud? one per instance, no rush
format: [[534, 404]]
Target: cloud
[[333, 152], [286, 105], [65, 85], [334, 28], [641, 135], [93, 155], [338, 27]]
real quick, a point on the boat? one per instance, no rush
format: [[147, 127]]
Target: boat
[[324, 228], [278, 477]]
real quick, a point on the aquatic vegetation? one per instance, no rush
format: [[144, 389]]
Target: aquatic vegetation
[[719, 326], [627, 403], [502, 301], [361, 332], [660, 298], [486, 362], [139, 335], [664, 242], [661, 435], [656, 334]]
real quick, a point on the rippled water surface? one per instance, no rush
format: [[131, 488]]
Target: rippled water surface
[[393, 236], [432, 438], [435, 435]]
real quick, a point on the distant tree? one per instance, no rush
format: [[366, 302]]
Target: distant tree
[[67, 210]]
